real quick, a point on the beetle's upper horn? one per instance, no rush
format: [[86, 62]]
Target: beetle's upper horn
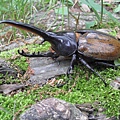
[[28, 27]]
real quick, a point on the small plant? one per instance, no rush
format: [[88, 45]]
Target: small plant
[[99, 11], [117, 9], [15, 9]]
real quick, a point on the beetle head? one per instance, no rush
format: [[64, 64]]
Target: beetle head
[[63, 43]]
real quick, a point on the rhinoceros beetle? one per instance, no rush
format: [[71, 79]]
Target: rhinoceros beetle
[[82, 45]]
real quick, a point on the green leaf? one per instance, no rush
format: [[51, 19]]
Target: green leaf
[[97, 8], [3, 9], [117, 9], [71, 1], [90, 24], [62, 10], [117, 62]]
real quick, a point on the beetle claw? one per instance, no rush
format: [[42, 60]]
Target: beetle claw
[[21, 53], [69, 71], [33, 53]]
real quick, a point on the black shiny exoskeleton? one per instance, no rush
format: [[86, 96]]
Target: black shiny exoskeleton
[[82, 45]]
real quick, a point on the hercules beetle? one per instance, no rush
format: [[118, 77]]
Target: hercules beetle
[[82, 45]]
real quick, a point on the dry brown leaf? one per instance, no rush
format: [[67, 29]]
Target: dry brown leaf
[[118, 35], [28, 73]]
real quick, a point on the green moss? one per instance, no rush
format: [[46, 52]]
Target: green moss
[[12, 104], [36, 47], [92, 90], [84, 91], [11, 56], [20, 61]]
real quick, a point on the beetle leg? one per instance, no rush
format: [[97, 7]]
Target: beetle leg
[[69, 69], [87, 65], [47, 54], [71, 64], [106, 64]]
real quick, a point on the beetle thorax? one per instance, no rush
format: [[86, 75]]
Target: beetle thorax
[[64, 44]]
